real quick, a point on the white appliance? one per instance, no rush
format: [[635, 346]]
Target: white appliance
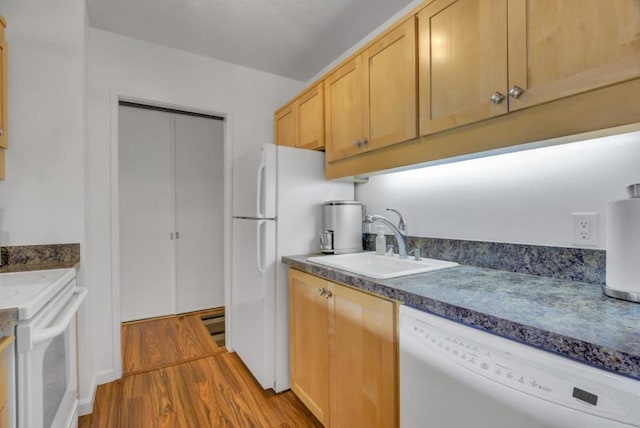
[[454, 376], [45, 348], [278, 194]]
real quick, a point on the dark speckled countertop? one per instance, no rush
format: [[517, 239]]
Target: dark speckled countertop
[[572, 319]]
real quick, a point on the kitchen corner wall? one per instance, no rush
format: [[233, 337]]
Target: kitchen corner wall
[[523, 197], [136, 69], [42, 197]]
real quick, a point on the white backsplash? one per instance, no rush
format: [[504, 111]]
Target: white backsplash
[[524, 197]]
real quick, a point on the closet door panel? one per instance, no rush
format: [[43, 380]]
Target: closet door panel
[[146, 219], [199, 190]]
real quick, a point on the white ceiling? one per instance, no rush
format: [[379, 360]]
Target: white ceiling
[[292, 38]]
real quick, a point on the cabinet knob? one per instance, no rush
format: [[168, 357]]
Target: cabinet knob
[[357, 143], [322, 291], [328, 295], [1, 132], [515, 91], [497, 97]]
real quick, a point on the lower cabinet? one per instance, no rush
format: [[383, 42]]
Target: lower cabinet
[[343, 353], [4, 381]]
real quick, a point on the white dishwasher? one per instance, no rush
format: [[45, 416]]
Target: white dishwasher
[[453, 376]]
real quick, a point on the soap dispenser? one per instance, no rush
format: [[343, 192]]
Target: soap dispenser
[[381, 242]]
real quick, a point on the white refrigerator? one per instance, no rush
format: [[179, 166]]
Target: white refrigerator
[[278, 194]]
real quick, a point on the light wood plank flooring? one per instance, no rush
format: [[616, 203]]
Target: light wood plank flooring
[[177, 379]]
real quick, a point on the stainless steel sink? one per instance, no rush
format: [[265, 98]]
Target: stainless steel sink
[[381, 267]]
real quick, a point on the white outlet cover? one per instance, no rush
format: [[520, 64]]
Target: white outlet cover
[[585, 229]]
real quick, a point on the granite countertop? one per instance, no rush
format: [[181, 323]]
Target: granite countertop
[[572, 319]]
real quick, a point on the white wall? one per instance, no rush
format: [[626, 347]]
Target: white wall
[[42, 198], [524, 197], [121, 66]]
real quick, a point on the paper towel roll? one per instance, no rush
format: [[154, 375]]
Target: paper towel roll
[[623, 245]]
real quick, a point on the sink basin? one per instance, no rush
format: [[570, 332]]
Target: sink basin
[[381, 267]]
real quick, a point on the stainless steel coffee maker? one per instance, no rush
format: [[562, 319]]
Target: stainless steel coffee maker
[[342, 227]]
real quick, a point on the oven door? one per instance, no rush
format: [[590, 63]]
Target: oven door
[[46, 363]]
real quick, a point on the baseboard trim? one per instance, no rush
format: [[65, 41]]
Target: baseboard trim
[[85, 406]]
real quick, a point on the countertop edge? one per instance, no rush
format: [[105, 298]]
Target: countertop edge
[[592, 354]]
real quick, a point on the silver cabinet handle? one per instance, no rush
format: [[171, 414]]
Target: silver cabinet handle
[[328, 295], [322, 291], [497, 97], [177, 235], [171, 236], [356, 143], [515, 91], [1, 132]]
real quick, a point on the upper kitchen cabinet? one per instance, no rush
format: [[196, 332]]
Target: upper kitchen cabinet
[[462, 62], [561, 48], [344, 110], [285, 126], [371, 101], [3, 96], [301, 122], [480, 59]]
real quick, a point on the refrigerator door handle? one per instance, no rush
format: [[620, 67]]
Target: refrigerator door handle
[[260, 193], [260, 226]]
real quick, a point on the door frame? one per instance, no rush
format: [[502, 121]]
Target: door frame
[[123, 95]]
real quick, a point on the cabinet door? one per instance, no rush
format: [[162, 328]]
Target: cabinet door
[[462, 62], [560, 48], [3, 92], [344, 110], [391, 95], [363, 386], [311, 118], [286, 126], [308, 339]]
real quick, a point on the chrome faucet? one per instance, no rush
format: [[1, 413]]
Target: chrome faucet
[[400, 232]]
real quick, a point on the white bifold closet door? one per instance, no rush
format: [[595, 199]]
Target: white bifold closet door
[[171, 188]]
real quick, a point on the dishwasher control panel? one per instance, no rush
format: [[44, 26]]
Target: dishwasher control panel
[[527, 369]]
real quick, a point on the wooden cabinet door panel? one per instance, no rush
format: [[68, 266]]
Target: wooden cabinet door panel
[[3, 90], [311, 118], [344, 110], [308, 339], [363, 385], [561, 48], [462, 62], [390, 77], [286, 126]]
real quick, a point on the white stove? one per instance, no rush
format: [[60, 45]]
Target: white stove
[[46, 387], [30, 291]]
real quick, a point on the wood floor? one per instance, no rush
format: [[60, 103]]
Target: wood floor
[[177, 377]]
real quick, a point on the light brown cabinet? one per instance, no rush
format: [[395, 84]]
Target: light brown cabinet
[[3, 96], [463, 62], [286, 126], [343, 349], [371, 101], [480, 59], [458, 77], [4, 410], [561, 48], [301, 122], [309, 342]]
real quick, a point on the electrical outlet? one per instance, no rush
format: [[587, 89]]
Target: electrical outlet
[[585, 228]]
